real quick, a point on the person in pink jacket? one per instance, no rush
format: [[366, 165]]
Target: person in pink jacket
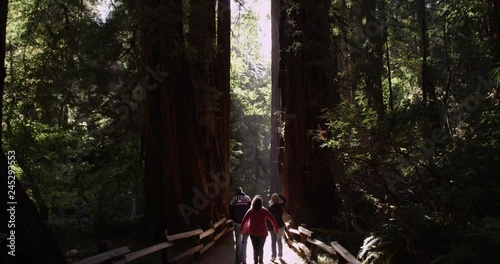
[[256, 218]]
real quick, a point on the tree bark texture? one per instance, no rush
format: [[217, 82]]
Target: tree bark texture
[[275, 176], [223, 65], [428, 88], [186, 118], [307, 88], [373, 67]]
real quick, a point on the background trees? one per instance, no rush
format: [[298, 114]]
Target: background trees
[[250, 103], [70, 91], [404, 141]]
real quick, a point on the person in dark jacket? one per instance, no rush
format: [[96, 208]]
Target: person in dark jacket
[[238, 206], [276, 206]]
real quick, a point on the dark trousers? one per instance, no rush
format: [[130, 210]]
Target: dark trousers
[[258, 248]]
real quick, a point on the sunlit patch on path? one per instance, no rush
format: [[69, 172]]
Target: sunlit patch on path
[[224, 252]]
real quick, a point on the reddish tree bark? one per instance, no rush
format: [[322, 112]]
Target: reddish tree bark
[[307, 89], [186, 141], [275, 176], [162, 185], [223, 64]]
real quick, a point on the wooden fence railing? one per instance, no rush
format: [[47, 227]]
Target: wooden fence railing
[[303, 241], [201, 241]]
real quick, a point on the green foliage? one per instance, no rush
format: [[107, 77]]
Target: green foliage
[[250, 104], [424, 191], [429, 191], [72, 107]]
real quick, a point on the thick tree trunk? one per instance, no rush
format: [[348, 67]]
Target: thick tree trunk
[[284, 41], [424, 46], [428, 88], [223, 64], [374, 62], [186, 124], [162, 75], [308, 89], [275, 177]]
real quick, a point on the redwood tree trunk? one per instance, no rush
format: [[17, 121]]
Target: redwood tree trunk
[[374, 63], [275, 177], [223, 64], [428, 88], [162, 184], [307, 89], [186, 140], [424, 45]]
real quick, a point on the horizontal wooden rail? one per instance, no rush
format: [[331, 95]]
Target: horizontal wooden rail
[[183, 235], [186, 253], [307, 245], [207, 233], [344, 253], [322, 245], [220, 222], [201, 240], [141, 253]]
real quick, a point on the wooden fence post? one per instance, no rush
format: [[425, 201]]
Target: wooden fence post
[[165, 254], [196, 242], [314, 252], [303, 237]]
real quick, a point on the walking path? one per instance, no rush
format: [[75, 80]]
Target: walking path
[[224, 252]]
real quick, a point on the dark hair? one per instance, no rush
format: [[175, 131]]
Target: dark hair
[[257, 202], [238, 190]]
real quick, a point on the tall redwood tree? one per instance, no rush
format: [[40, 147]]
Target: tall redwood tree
[[186, 118], [306, 89], [276, 143]]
